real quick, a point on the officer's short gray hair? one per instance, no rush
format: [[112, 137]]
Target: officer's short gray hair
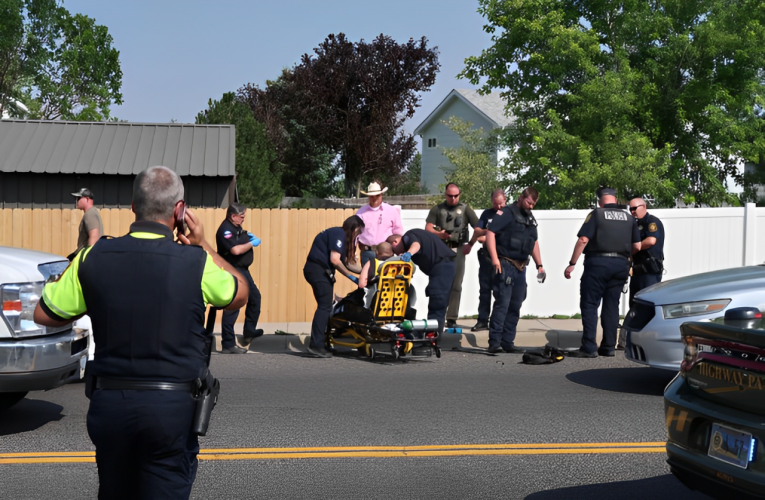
[[156, 190], [235, 209]]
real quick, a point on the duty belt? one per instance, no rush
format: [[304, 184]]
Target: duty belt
[[520, 265], [143, 385], [606, 254]]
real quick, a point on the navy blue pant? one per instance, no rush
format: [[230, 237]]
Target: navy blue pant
[[603, 279], [251, 314], [485, 273], [638, 282], [144, 444], [439, 287], [508, 298], [323, 292]]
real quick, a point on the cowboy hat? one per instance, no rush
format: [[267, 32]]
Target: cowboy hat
[[374, 189]]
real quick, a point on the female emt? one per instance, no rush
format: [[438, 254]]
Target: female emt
[[332, 249]]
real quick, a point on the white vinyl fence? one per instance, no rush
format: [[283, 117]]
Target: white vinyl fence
[[697, 240]]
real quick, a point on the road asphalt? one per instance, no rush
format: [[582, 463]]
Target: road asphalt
[[284, 423]]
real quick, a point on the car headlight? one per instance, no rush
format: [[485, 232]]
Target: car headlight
[[672, 311], [19, 301]]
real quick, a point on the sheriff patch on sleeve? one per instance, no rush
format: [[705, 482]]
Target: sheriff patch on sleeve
[[652, 227]]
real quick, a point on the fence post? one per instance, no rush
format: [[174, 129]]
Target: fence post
[[750, 234]]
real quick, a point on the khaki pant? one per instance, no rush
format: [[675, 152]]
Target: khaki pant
[[453, 311]]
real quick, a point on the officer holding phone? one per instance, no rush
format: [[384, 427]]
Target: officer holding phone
[[146, 296], [235, 245]]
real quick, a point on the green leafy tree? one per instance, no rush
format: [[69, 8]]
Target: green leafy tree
[[347, 103], [659, 98], [307, 167], [258, 186], [406, 183], [59, 65], [473, 165]]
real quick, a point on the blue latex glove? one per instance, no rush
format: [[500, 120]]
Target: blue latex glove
[[353, 278], [406, 257], [254, 239]]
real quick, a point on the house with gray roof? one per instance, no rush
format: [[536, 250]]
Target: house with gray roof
[[483, 111], [43, 162]]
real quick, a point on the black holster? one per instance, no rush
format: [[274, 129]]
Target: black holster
[[648, 266], [208, 388]]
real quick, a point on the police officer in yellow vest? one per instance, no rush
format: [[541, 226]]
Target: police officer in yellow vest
[[146, 296], [449, 221]]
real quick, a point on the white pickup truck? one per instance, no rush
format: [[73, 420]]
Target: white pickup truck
[[33, 357]]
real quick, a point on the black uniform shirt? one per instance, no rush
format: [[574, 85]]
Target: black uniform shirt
[[432, 249], [590, 226], [228, 236], [486, 217], [651, 226], [514, 238], [332, 239]]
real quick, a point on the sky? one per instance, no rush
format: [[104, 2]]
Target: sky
[[175, 55]]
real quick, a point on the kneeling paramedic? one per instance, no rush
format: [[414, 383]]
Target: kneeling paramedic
[[433, 258], [146, 296]]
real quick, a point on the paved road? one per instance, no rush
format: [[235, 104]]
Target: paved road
[[288, 401]]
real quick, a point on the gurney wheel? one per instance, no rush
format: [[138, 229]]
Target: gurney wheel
[[395, 352], [371, 352], [437, 350]]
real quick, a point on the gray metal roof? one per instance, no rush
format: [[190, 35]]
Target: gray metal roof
[[490, 105], [116, 148]]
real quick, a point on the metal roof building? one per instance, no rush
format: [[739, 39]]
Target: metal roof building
[[42, 162]]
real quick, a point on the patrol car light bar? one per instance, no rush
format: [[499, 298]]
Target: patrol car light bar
[[19, 301]]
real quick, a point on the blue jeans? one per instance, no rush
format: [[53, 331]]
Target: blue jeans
[[509, 293]]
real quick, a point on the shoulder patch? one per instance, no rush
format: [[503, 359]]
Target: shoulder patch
[[339, 243], [652, 227], [499, 212], [589, 216], [227, 234]]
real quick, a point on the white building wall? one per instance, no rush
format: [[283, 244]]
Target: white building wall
[[697, 240], [432, 157]]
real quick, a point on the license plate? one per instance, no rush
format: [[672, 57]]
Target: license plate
[[731, 446]]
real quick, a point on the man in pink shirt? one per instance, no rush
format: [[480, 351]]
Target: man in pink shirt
[[381, 220]]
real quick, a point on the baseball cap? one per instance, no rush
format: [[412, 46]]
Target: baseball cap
[[605, 191], [83, 193]]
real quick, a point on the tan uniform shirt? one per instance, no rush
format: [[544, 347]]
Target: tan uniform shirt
[[91, 220]]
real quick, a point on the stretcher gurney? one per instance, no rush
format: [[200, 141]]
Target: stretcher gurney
[[387, 326]]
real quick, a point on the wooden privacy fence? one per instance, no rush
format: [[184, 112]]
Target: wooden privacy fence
[[277, 268]]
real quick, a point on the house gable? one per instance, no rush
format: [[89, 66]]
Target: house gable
[[484, 112]]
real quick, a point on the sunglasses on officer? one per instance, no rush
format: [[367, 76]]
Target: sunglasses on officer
[[632, 209]]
